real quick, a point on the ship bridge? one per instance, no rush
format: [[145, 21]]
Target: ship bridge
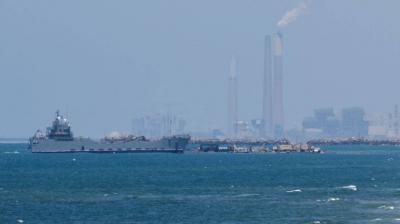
[[60, 129]]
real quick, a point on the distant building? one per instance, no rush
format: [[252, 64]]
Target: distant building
[[243, 130], [257, 127], [353, 122], [393, 123], [324, 122], [217, 133], [158, 125], [385, 126]]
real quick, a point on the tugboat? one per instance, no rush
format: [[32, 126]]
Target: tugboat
[[59, 138]]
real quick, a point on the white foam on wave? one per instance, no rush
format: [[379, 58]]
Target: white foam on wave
[[179, 196], [350, 187], [20, 221], [397, 219], [333, 199], [386, 207], [294, 191], [13, 152], [245, 195]]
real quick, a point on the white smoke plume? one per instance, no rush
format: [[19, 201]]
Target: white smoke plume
[[291, 15]]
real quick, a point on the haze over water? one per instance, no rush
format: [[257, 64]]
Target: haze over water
[[105, 62]]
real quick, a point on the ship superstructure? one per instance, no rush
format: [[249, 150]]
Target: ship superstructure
[[59, 138]]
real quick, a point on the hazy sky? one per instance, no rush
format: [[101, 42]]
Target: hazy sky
[[106, 62]]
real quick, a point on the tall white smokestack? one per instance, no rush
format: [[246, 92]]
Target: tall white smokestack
[[232, 101], [278, 120], [267, 113]]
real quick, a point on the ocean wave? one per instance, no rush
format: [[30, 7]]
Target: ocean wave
[[245, 195], [333, 199], [178, 196], [294, 191], [386, 207], [11, 152], [196, 197], [350, 187]]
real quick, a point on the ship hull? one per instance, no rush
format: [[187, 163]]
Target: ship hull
[[164, 145]]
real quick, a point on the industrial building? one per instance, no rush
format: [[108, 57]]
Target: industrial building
[[350, 123]]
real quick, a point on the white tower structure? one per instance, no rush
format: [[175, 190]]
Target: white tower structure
[[232, 101], [267, 110], [278, 114]]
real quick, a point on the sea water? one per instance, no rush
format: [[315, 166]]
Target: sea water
[[347, 184]]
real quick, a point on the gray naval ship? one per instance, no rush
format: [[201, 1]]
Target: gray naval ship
[[59, 138]]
